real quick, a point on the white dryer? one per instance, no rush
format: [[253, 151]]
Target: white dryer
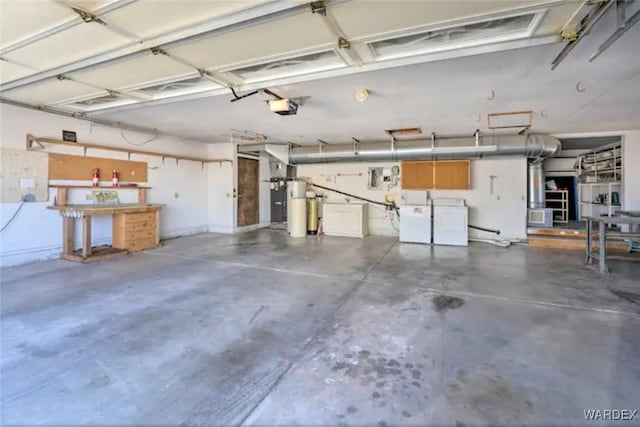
[[450, 222]]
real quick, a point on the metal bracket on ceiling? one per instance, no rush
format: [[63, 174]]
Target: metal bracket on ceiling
[[593, 16], [477, 135], [433, 140], [343, 43], [356, 141], [318, 7], [321, 143], [86, 16], [237, 97], [158, 51]]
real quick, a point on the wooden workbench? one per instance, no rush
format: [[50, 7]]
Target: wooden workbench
[[135, 227], [601, 255]]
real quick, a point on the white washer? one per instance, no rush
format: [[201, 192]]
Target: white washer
[[415, 223], [450, 222]]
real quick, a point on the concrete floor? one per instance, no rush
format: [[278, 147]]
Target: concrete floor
[[260, 329]]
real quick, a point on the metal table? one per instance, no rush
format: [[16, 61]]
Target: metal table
[[601, 255]]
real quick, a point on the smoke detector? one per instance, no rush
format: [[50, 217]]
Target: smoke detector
[[361, 95]]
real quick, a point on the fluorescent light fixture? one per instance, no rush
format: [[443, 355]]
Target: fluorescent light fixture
[[284, 107]]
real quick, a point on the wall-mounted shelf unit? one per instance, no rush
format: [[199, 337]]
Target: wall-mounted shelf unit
[[600, 181], [558, 201], [601, 165], [36, 143]]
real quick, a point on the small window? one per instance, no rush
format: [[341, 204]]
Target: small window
[[291, 66], [178, 87], [451, 37]]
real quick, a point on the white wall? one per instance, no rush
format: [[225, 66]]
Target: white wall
[[505, 209], [36, 233], [221, 202]]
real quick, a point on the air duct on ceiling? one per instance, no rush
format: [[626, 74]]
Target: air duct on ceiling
[[530, 146]]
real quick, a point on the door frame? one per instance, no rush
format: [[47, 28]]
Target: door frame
[[235, 193]]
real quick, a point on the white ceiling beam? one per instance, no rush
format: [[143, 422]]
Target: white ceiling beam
[[64, 26], [245, 17]]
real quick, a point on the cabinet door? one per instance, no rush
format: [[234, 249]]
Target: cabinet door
[[452, 175], [417, 175]]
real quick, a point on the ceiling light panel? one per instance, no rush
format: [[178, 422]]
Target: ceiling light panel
[[19, 20], [305, 64], [138, 71], [457, 36], [50, 91], [76, 43], [298, 32], [148, 18]]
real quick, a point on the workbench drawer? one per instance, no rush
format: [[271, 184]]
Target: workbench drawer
[[132, 218], [139, 234], [141, 244], [140, 226]]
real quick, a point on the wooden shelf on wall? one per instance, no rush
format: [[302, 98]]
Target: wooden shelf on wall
[[120, 187], [41, 141]]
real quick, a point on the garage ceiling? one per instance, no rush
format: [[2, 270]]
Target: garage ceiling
[[164, 63]]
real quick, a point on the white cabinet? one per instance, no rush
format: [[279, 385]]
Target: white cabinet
[[346, 220]]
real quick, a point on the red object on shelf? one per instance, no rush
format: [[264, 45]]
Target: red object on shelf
[[114, 178], [95, 178]]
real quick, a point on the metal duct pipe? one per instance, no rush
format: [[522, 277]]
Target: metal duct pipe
[[530, 146], [536, 194]]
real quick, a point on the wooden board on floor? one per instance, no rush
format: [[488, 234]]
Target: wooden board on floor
[[575, 244], [97, 254], [79, 168]]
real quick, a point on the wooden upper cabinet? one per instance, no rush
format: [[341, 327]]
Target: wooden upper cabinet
[[436, 175], [416, 175]]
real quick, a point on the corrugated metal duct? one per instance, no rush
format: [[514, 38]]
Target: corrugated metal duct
[[530, 146]]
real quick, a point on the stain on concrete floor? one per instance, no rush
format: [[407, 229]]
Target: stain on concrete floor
[[443, 303], [632, 297]]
